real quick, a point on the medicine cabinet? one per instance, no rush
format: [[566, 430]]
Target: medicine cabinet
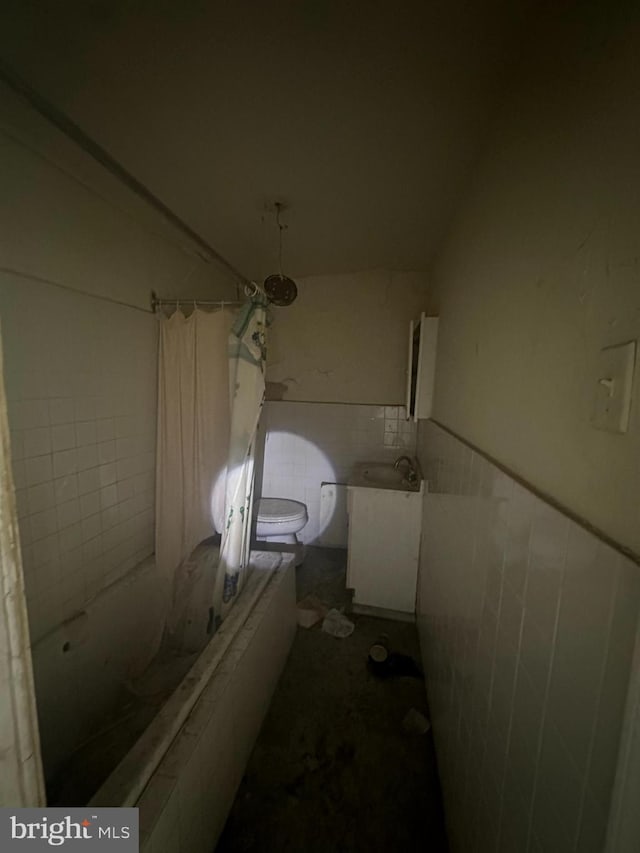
[[421, 371]]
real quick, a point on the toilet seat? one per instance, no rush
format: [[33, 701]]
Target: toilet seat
[[275, 510]]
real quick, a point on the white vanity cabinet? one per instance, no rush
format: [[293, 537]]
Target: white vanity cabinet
[[384, 543]]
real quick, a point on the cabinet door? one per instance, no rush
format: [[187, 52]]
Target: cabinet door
[[413, 365], [426, 375], [384, 535], [409, 375]]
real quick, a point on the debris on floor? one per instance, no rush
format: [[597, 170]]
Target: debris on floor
[[379, 651], [387, 664], [333, 768], [415, 723], [337, 624], [310, 611]]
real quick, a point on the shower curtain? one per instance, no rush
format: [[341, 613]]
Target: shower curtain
[[247, 364], [193, 431], [21, 776], [210, 394]]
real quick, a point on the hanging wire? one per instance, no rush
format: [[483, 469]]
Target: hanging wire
[[280, 230], [280, 289]]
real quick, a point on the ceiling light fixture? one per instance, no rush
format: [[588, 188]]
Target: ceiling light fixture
[[280, 289]]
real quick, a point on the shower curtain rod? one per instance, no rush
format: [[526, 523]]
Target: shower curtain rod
[[251, 289], [60, 120]]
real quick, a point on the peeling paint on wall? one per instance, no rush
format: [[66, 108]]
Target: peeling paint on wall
[[345, 339]]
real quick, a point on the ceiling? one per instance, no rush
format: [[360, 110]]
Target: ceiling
[[363, 118]]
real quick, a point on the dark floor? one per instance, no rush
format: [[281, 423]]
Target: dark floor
[[333, 768]]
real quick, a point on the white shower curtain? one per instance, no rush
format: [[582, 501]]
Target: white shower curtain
[[21, 777], [193, 430], [247, 365]]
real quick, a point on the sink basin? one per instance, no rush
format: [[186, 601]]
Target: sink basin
[[382, 475]]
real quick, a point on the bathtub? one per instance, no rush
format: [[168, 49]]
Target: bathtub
[[183, 772], [180, 750], [80, 667]]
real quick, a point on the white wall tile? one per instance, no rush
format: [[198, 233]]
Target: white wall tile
[[63, 437], [61, 410], [44, 523], [105, 429], [38, 470], [538, 713], [41, 497], [111, 516], [85, 433], [36, 442], [28, 414], [107, 474], [107, 452], [17, 444], [65, 488], [65, 398], [108, 496], [70, 538], [65, 462], [85, 409], [91, 527], [87, 457], [19, 473], [615, 679], [581, 642], [307, 444], [68, 513], [88, 481], [556, 805]]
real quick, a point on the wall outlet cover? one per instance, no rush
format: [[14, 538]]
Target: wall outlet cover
[[614, 385]]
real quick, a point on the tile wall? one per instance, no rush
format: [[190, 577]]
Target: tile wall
[[307, 444], [527, 625], [80, 377]]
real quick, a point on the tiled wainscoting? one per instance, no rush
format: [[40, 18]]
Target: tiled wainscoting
[[527, 625], [310, 443], [80, 375]]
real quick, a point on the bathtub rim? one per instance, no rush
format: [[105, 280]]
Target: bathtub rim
[[125, 784]]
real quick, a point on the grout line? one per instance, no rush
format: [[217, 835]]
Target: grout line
[[543, 718], [622, 818], [476, 655], [504, 768], [519, 673], [594, 726]]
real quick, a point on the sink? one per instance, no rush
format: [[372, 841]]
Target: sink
[[382, 475]]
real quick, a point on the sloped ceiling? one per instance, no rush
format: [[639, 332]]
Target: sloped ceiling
[[362, 117]]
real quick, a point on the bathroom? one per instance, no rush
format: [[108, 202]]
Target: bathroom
[[434, 160]]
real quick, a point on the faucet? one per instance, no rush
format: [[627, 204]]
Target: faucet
[[412, 474], [400, 459]]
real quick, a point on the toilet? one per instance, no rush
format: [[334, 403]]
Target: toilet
[[279, 519]]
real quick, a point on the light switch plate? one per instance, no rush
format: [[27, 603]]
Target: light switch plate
[[614, 386]]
